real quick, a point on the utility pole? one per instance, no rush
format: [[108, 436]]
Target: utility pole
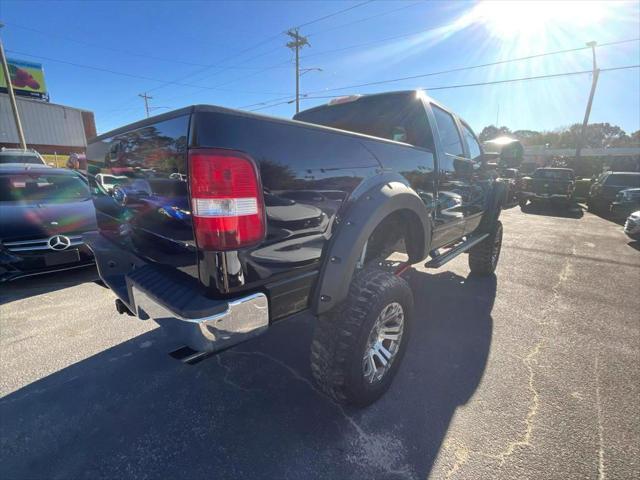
[[298, 41], [594, 82], [146, 101], [12, 97]]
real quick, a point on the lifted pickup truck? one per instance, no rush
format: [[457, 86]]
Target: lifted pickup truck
[[553, 185], [237, 221]]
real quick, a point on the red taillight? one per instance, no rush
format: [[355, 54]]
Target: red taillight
[[226, 199]]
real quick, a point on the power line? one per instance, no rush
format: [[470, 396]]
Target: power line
[[270, 106], [476, 84], [453, 70], [130, 75], [381, 14], [333, 14], [259, 44], [265, 41], [104, 47], [459, 69]]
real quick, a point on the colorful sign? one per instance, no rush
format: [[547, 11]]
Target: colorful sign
[[27, 78]]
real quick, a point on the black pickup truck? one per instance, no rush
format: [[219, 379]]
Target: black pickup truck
[[554, 185], [237, 221]]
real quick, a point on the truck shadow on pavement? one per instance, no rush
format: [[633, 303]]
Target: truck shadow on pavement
[[574, 210], [252, 411]]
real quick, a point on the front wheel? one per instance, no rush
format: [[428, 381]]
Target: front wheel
[[522, 203], [483, 258], [356, 350]]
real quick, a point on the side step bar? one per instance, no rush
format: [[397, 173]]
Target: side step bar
[[440, 260]]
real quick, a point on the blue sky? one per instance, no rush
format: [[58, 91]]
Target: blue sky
[[380, 40]]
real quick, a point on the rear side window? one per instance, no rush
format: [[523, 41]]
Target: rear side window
[[42, 188], [474, 147], [623, 180], [448, 131]]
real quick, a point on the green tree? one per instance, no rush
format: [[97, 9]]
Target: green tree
[[491, 132]]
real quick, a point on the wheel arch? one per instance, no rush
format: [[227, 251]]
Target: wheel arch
[[375, 206]]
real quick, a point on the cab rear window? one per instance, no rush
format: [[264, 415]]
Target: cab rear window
[[395, 117]]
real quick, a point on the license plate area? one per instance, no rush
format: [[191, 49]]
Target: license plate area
[[60, 258]]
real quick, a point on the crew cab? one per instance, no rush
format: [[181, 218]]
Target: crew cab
[[547, 184], [236, 221]]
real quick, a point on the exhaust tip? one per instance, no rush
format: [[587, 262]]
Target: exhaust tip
[[122, 308]]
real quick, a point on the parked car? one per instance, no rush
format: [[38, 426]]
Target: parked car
[[511, 178], [286, 216], [108, 182], [605, 188], [20, 156], [553, 185], [44, 212], [627, 201], [632, 226]]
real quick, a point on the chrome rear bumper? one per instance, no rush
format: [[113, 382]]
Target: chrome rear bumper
[[244, 318], [203, 324]]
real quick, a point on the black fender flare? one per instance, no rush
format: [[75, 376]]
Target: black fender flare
[[496, 199], [362, 217]]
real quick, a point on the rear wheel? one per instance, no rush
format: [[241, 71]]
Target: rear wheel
[[483, 258], [357, 350], [522, 202]]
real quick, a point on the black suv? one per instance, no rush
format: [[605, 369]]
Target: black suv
[[604, 190]]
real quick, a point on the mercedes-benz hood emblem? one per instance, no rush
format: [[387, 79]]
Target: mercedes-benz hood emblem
[[59, 242]]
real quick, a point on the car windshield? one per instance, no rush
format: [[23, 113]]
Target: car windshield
[[6, 157], [554, 174], [42, 188], [623, 180]]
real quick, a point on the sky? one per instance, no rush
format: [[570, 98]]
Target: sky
[[233, 54]]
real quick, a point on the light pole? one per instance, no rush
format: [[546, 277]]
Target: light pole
[[594, 83], [12, 97]]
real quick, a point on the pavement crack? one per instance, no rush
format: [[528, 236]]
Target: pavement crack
[[534, 403], [461, 455], [601, 471], [227, 371]]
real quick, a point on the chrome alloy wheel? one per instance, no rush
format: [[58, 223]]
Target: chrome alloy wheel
[[383, 343]]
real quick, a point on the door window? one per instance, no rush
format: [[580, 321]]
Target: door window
[[474, 148], [448, 131]]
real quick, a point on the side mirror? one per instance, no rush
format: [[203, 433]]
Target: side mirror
[[490, 157]]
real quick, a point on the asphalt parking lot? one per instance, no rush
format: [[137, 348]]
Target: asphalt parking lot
[[533, 373]]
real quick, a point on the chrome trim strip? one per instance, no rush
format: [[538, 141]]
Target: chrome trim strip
[[41, 240], [34, 248]]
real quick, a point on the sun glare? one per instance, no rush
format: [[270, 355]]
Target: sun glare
[[526, 19]]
